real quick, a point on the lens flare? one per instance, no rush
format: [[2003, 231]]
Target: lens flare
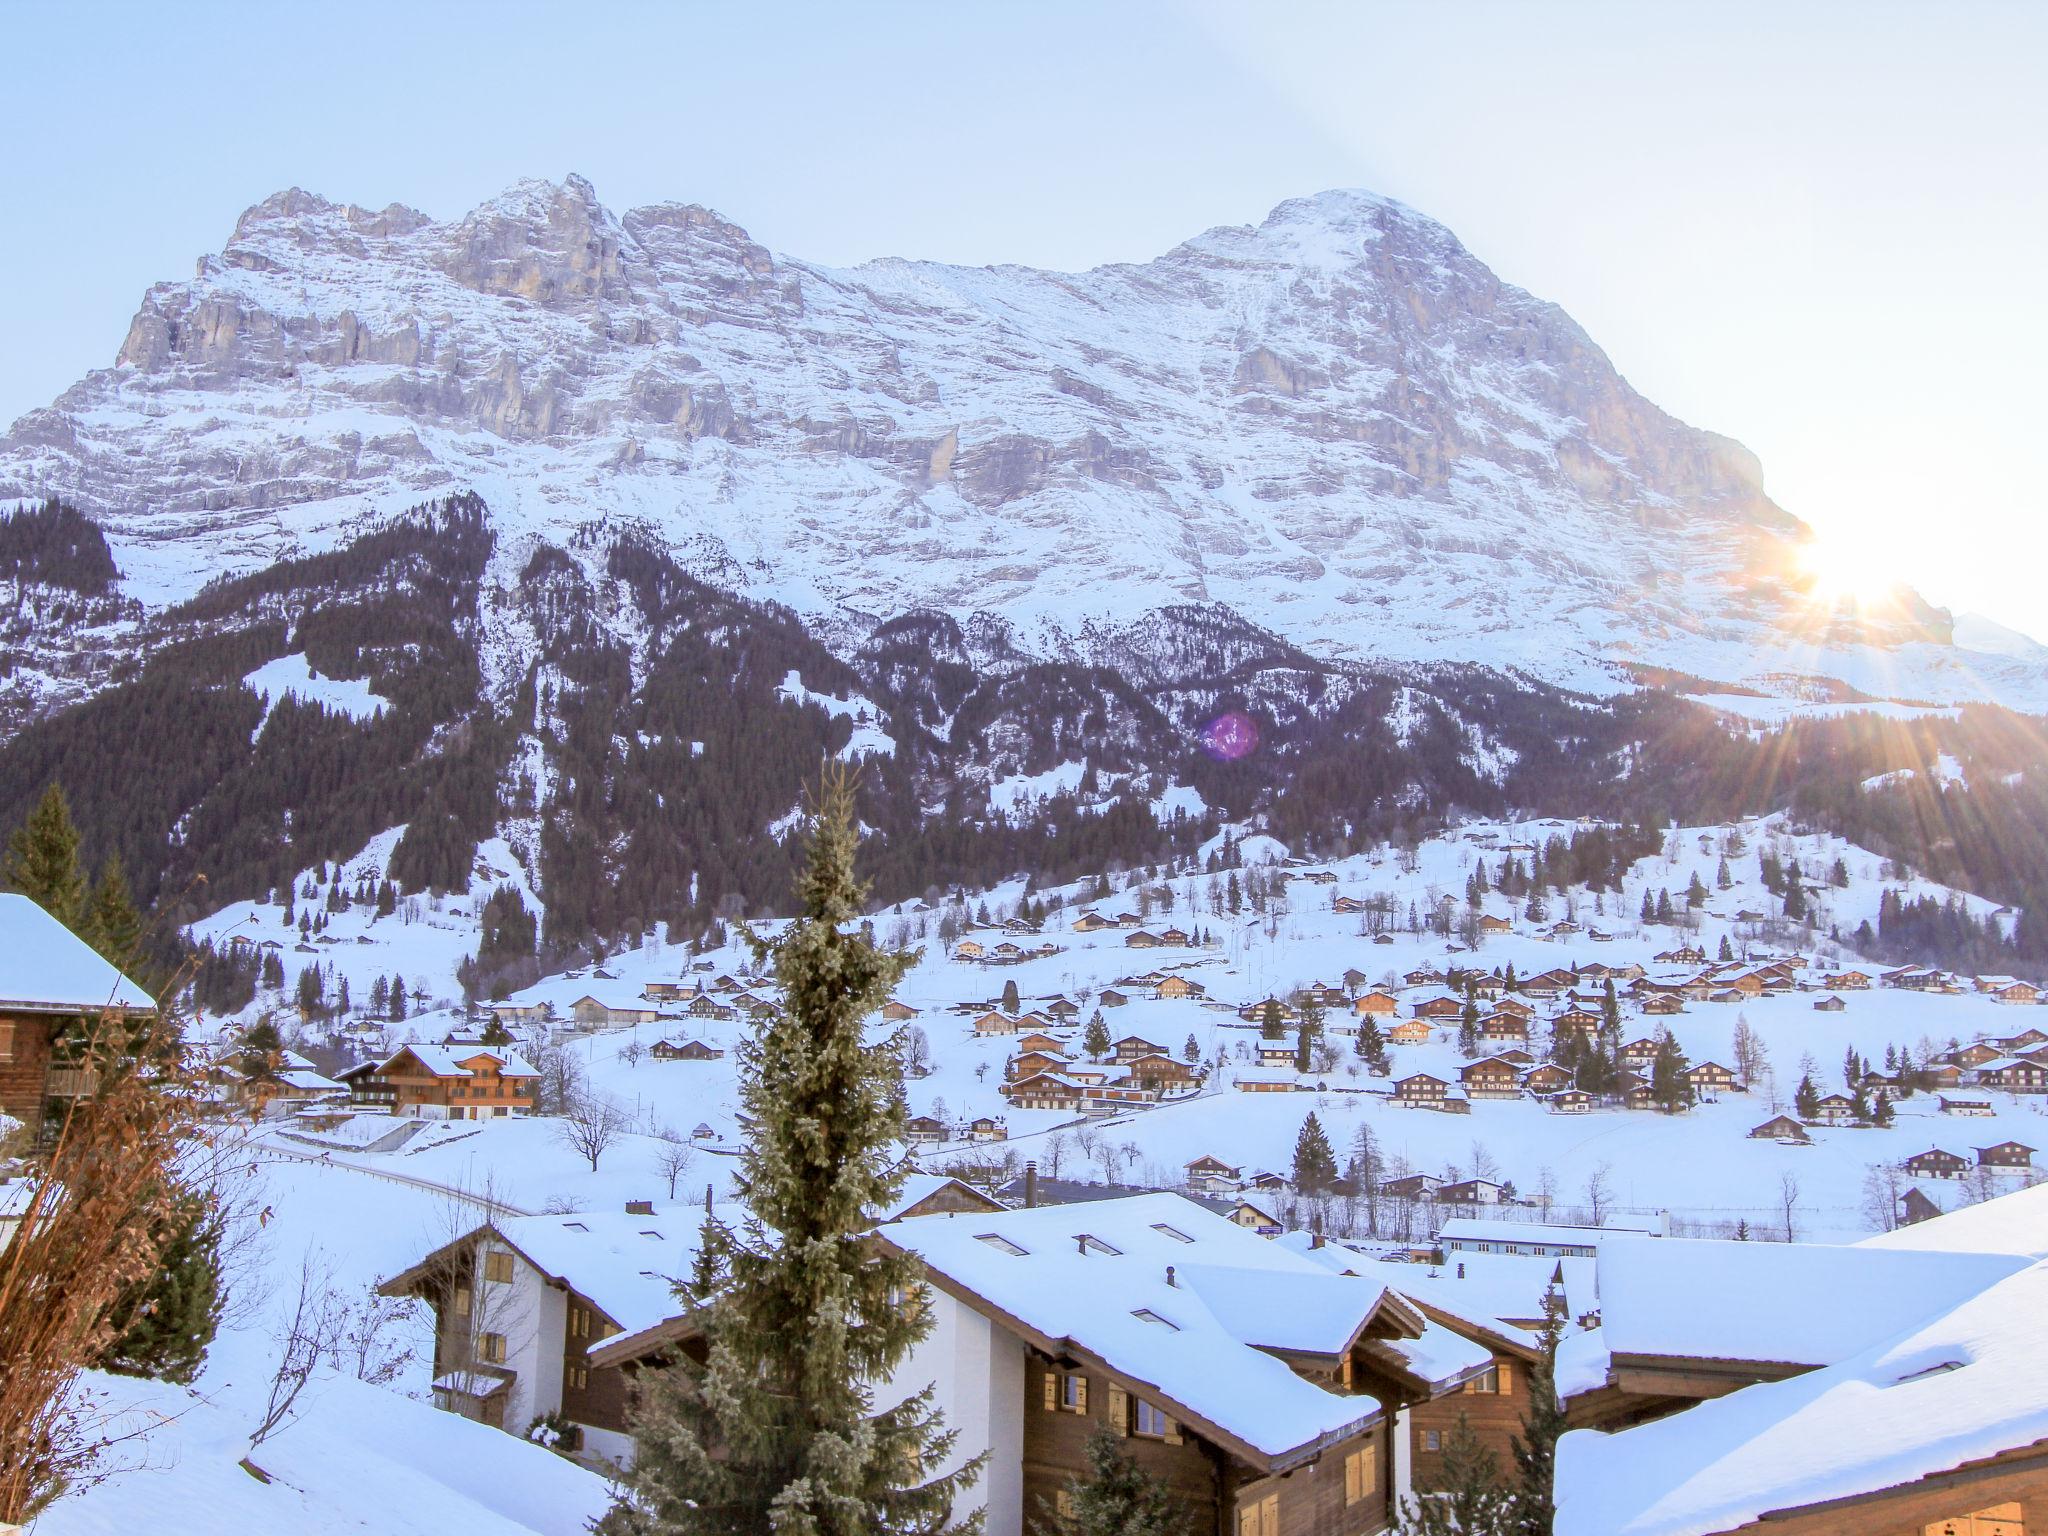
[[1230, 736]]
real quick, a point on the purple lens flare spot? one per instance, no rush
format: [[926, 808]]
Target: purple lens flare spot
[[1230, 736]]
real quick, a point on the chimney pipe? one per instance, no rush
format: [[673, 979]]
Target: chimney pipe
[[1461, 1271], [1031, 1184], [1169, 1277]]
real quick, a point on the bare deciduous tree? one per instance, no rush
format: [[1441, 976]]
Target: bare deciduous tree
[[305, 1337], [1788, 1204], [591, 1124], [93, 1224], [1599, 1193], [672, 1159]]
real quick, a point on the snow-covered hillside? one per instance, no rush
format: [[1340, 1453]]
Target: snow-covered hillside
[[1702, 1166], [1337, 423]]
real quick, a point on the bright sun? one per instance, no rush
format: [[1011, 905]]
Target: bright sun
[[1843, 571]]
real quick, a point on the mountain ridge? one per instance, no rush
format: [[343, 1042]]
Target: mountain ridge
[[1336, 423]]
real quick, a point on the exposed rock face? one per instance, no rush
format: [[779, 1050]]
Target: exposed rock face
[[1339, 423]]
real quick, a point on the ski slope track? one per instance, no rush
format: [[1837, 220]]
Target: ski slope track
[[1338, 424]]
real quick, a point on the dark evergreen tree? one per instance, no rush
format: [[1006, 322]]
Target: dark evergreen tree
[[162, 1326], [1806, 1099], [1012, 1003], [1116, 1498], [1095, 1038], [1372, 1047], [1468, 1499], [1668, 1083], [1271, 1026], [1535, 1449], [1315, 1163], [111, 924], [42, 860], [776, 1431]]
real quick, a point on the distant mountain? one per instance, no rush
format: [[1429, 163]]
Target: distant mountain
[[1338, 425], [582, 538]]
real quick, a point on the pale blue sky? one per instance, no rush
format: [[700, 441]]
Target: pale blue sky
[[1819, 228]]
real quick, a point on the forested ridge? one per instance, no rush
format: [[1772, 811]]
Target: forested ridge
[[647, 748]]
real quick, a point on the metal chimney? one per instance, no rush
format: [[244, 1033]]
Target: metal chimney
[[1031, 1184]]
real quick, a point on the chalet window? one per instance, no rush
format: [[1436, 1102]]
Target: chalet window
[[498, 1267], [1260, 1519], [1361, 1474], [1151, 1421], [1074, 1392], [1432, 1440], [1999, 1520], [490, 1347], [1158, 1226], [1487, 1380], [461, 1301]]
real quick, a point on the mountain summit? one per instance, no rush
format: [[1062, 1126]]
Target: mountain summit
[[1338, 424]]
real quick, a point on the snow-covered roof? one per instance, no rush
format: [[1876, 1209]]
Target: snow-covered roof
[[919, 1187], [1954, 1388], [446, 1060], [1471, 1229], [2011, 1224], [46, 968], [1110, 1298], [626, 1265], [1794, 1303]]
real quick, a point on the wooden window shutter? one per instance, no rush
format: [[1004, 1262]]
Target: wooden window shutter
[[1269, 1515], [1081, 1394], [1248, 1521], [1172, 1436], [1052, 1391], [1351, 1470], [1368, 1470], [1119, 1410], [1507, 1382], [6, 1040]]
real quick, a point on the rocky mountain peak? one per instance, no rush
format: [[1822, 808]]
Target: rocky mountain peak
[[1336, 422]]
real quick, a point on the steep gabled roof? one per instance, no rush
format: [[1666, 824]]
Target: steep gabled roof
[[46, 968]]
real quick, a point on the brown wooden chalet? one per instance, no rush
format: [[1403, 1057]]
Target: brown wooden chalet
[[1547, 1078], [2015, 1076], [2007, 1154], [1289, 1335], [1492, 1078], [1934, 1163], [51, 984], [1421, 1089], [1131, 1047], [1378, 1004], [1780, 1128], [1442, 1007], [684, 1050]]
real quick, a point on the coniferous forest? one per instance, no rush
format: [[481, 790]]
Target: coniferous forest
[[649, 753]]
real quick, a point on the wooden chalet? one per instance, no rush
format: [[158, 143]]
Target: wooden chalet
[[1173, 988], [1142, 939], [1569, 1101], [684, 1050], [924, 1130], [2015, 1076], [1163, 1073], [439, 1082], [1131, 1047], [1834, 1109], [1829, 1004], [1710, 1077], [1492, 1078], [1044, 1090], [1663, 1004], [1780, 1128], [988, 1128], [1934, 1163], [1978, 1108], [51, 984], [1547, 1078], [1413, 1186], [1409, 1032], [1377, 1004], [1421, 1090], [1439, 1008], [2006, 1154], [1472, 1192], [1109, 997], [996, 1022]]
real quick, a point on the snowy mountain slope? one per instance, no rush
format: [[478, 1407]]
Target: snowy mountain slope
[[1338, 424]]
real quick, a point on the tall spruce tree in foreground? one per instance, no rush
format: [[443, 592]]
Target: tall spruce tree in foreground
[[777, 1431], [1535, 1449], [1116, 1498], [42, 860]]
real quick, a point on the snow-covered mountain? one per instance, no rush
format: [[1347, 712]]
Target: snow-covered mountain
[[1339, 424]]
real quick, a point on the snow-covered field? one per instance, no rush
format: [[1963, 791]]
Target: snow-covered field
[[1701, 1167]]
